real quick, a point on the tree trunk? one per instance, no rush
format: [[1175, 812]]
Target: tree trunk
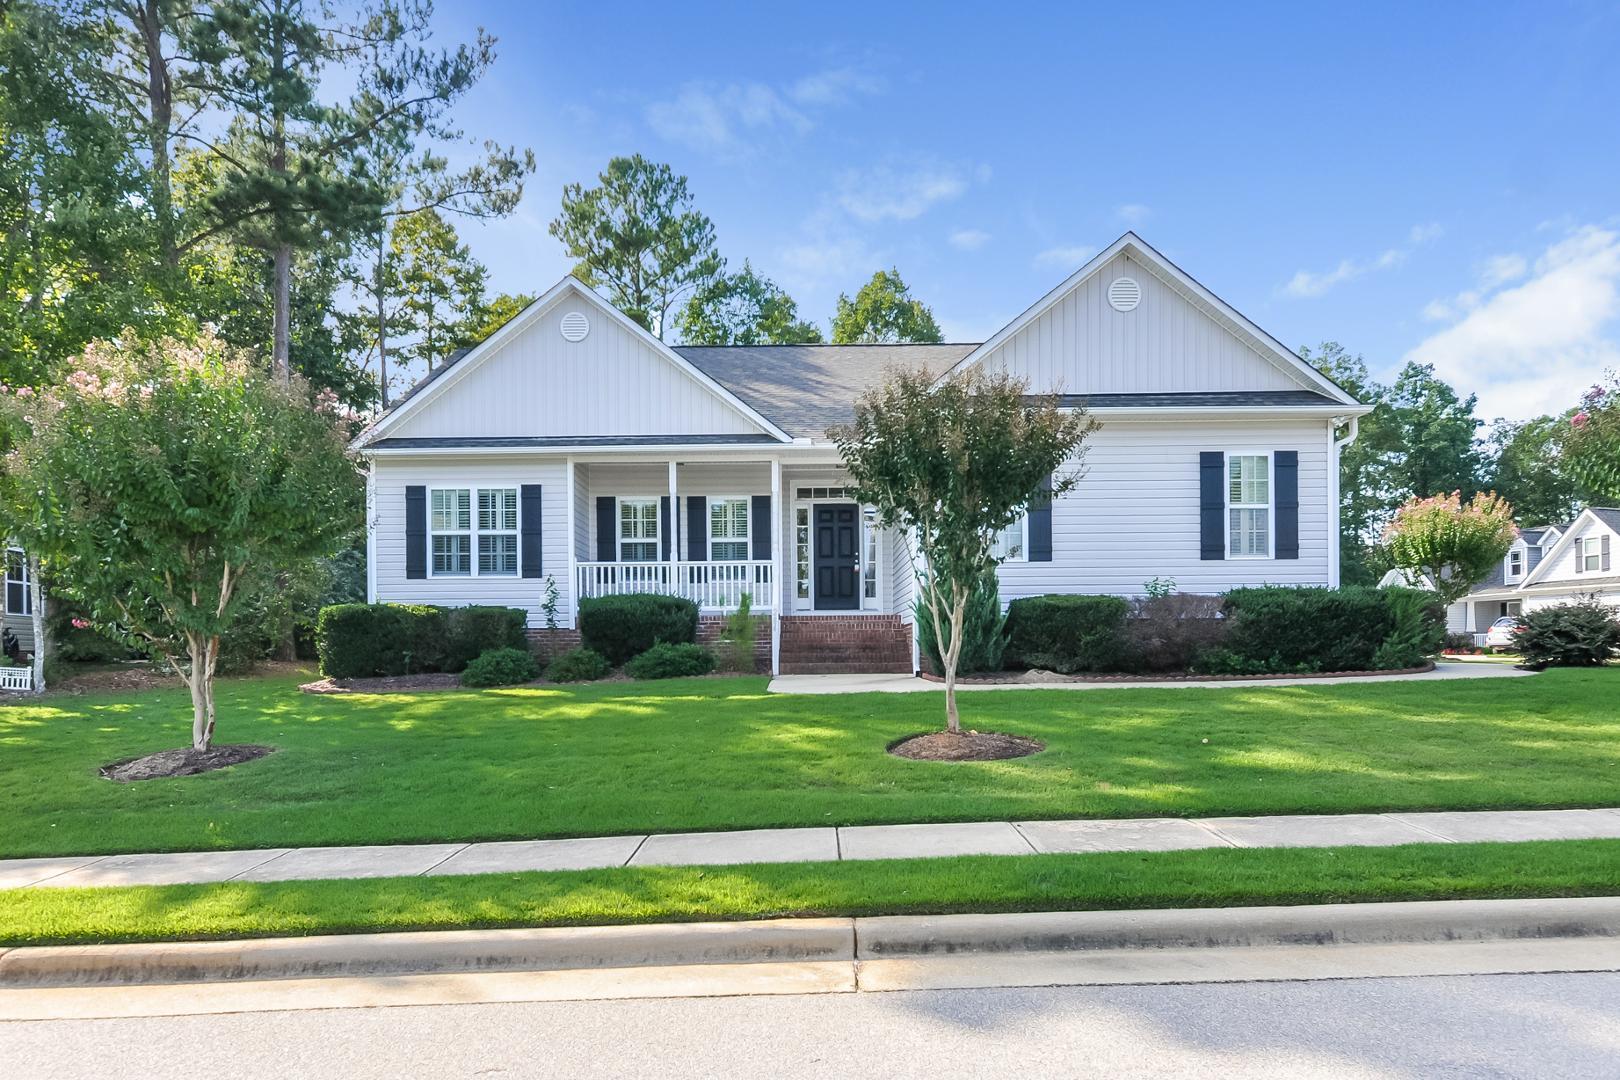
[[280, 360], [382, 324], [36, 606], [951, 656], [160, 114], [204, 654]]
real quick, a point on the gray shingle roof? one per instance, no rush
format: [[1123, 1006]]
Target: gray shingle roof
[[1608, 515], [805, 389], [475, 442]]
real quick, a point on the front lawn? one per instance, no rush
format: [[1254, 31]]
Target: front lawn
[[986, 883], [724, 754]]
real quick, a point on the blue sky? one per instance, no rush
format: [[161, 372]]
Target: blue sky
[[1427, 181]]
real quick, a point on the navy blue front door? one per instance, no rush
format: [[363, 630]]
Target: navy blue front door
[[837, 564]]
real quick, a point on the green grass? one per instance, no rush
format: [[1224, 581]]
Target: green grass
[[1208, 878], [724, 754]]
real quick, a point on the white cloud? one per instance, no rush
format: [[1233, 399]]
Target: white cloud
[[1309, 283], [1500, 269], [969, 239], [1133, 213], [1494, 271], [837, 86], [730, 117], [1530, 348], [887, 193], [1070, 257]]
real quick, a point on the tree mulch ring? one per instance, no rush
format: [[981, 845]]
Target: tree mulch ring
[[182, 762], [967, 746]]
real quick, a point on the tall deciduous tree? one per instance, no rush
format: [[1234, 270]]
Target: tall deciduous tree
[[744, 308], [1528, 466], [1451, 542], [883, 311], [953, 464], [1367, 498], [1434, 435], [1594, 441], [493, 314], [161, 476], [638, 235]]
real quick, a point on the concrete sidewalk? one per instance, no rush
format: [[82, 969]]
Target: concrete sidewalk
[[828, 844], [910, 684]]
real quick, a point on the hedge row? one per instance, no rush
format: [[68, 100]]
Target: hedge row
[[1265, 630], [363, 640]]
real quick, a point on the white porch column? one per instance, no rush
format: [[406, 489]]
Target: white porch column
[[779, 575], [674, 529], [573, 545]]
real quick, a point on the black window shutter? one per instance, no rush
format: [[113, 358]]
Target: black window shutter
[[1212, 505], [759, 525], [668, 534], [530, 538], [607, 529], [1286, 464], [1040, 523], [697, 528], [416, 531]]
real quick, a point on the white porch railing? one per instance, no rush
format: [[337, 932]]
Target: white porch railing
[[713, 586], [16, 677]]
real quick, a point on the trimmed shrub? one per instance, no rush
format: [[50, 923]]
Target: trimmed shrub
[[1169, 631], [1461, 641], [473, 631], [1582, 634], [578, 665], [670, 661], [1067, 634], [363, 640], [1223, 661], [501, 667], [620, 627], [984, 630], [1419, 629]]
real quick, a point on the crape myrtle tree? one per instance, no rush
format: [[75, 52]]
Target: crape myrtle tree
[[952, 464], [1593, 445], [1455, 544], [160, 477]]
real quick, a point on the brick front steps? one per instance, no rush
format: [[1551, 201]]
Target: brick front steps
[[845, 645]]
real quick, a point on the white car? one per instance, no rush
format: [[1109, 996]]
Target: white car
[[1502, 631]]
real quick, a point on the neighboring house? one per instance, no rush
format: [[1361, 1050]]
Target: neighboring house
[[1553, 564], [16, 607], [573, 445]]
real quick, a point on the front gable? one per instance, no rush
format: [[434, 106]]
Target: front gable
[[1561, 564], [570, 365], [1131, 322]]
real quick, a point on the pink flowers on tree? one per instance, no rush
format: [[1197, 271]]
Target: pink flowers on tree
[[1452, 543], [1594, 442]]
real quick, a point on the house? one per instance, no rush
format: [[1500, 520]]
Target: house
[[16, 608], [1553, 564], [573, 447]]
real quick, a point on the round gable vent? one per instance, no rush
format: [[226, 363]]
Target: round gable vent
[[575, 326], [1124, 294]]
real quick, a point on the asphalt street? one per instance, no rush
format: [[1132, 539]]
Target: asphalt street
[[1492, 1026]]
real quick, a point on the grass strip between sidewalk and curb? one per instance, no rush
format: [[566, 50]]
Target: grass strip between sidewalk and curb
[[988, 883]]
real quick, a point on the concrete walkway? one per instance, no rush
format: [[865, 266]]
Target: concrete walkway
[[910, 684], [811, 845]]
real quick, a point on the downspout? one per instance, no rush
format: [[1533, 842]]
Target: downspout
[[1335, 478]]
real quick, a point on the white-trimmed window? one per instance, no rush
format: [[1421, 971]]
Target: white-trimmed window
[[638, 530], [1515, 563], [455, 533], [1012, 543], [19, 597], [869, 554], [498, 532], [728, 530], [1589, 554], [1248, 506], [450, 531]]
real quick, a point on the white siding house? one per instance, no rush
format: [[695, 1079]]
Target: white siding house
[[1553, 564], [573, 446]]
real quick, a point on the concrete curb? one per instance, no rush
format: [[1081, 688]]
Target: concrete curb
[[660, 944], [802, 940], [1191, 928]]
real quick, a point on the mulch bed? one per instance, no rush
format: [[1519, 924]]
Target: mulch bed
[[386, 684], [182, 762], [1013, 678], [967, 746]]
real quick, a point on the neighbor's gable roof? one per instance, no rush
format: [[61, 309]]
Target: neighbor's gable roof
[[457, 368], [1608, 517], [1224, 315]]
